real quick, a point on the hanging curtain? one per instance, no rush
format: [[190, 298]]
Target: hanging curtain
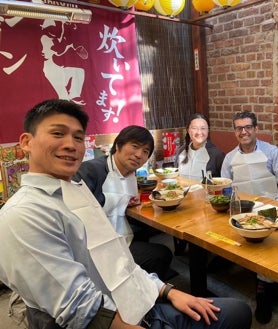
[[166, 69]]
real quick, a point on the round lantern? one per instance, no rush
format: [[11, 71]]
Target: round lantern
[[169, 7], [203, 6], [144, 5], [226, 3], [124, 4]]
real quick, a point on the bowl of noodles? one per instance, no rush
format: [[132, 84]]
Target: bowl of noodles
[[166, 173], [253, 227], [167, 199], [217, 185]]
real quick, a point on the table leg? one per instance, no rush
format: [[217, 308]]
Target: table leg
[[198, 259]]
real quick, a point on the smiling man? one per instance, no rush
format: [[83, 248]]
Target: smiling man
[[113, 182], [60, 253], [253, 164], [253, 167]]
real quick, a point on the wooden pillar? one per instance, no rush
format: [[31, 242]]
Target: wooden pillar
[[200, 65]]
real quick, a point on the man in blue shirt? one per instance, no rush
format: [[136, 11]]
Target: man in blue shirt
[[253, 167], [253, 164]]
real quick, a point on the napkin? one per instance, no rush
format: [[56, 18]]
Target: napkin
[[258, 205], [195, 187]]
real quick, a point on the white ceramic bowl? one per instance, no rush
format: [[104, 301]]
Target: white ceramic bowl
[[249, 234], [219, 184], [166, 173], [169, 181], [168, 204]]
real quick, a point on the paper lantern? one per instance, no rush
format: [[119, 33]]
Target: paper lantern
[[169, 7], [203, 6], [226, 3], [144, 5], [124, 4]]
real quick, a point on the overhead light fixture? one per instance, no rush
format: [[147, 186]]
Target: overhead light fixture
[[42, 11]]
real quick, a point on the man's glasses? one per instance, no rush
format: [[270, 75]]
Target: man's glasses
[[247, 128]]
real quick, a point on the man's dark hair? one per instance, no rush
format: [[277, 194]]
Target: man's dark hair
[[50, 107], [136, 134], [244, 115]]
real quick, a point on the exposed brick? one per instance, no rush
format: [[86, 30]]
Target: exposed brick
[[242, 54]]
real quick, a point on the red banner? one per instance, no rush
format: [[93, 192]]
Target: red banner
[[94, 65]]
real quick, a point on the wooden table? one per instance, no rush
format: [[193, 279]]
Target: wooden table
[[194, 218]]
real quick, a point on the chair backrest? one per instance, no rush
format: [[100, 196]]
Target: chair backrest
[[226, 140]]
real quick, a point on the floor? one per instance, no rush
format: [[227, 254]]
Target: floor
[[228, 280]]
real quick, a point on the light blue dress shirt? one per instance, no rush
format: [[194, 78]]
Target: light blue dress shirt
[[44, 257], [270, 151]]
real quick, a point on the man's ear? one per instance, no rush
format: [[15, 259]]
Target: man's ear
[[24, 141]]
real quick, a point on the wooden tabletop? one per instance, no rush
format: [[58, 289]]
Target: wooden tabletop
[[196, 221]]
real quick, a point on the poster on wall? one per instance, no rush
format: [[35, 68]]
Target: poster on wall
[[170, 144], [94, 65], [13, 164]]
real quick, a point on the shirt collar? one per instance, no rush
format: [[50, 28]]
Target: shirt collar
[[255, 148], [47, 183], [113, 167]]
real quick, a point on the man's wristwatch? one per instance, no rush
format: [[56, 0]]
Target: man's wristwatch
[[166, 290]]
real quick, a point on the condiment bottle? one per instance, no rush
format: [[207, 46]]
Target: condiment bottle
[[235, 206], [208, 183]]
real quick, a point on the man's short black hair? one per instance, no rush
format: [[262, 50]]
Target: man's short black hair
[[136, 134], [53, 106], [244, 115]]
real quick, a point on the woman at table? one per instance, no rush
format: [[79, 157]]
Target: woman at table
[[198, 153]]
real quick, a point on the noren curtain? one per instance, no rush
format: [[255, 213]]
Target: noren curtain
[[166, 68]]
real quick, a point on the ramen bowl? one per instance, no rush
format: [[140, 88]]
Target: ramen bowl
[[219, 183], [251, 235], [167, 199], [166, 173]]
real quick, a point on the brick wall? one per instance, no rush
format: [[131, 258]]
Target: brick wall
[[242, 62]]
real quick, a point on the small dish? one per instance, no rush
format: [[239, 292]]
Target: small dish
[[168, 181], [147, 185], [220, 207], [246, 205], [220, 202]]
